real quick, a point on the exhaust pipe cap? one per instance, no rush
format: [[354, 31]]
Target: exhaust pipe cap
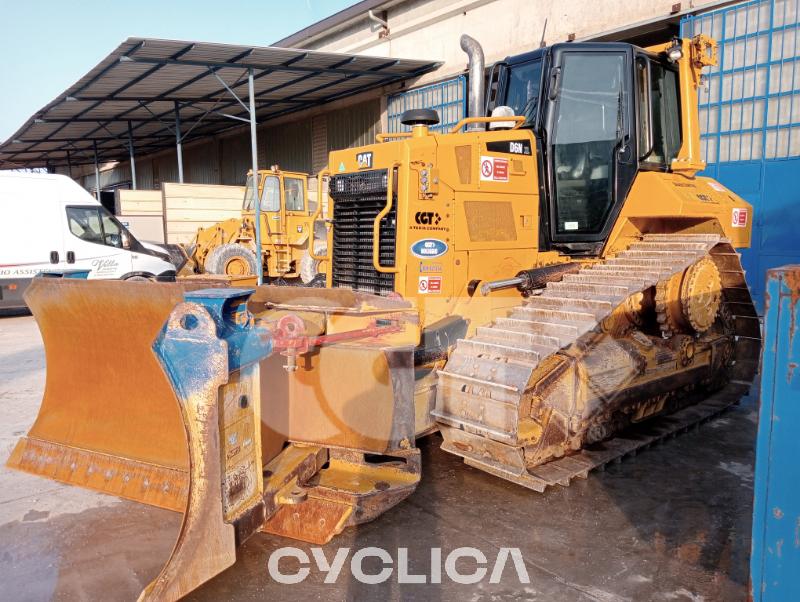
[[419, 117]]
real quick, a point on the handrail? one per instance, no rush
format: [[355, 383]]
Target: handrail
[[387, 136], [320, 178], [376, 226], [519, 119]]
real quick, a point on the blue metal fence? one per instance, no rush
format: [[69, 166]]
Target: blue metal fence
[[750, 121], [449, 98]]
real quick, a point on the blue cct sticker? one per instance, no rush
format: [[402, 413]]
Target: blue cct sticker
[[428, 248]]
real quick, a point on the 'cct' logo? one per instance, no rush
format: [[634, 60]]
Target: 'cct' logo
[[428, 248], [427, 218]]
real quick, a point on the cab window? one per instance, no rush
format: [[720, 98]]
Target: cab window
[[522, 87], [248, 195], [588, 126], [271, 194], [95, 225], [293, 190], [659, 112], [666, 113]]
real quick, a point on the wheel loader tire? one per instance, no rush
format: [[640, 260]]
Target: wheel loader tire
[[309, 267], [232, 259]]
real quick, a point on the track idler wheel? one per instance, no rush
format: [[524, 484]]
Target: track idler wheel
[[689, 302]]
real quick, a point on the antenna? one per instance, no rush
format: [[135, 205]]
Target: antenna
[[542, 43]]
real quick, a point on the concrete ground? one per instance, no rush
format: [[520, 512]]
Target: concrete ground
[[672, 523]]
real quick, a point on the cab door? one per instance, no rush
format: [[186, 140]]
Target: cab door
[[591, 154], [295, 212], [272, 221], [94, 242]]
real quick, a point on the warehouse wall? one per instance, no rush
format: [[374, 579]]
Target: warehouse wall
[[430, 29], [287, 145], [353, 126]]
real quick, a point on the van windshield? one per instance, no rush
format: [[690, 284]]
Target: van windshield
[[96, 225]]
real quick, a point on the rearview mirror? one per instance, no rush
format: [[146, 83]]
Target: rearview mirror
[[555, 78]]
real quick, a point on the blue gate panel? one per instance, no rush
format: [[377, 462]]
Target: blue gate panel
[[448, 98], [775, 558], [750, 121]]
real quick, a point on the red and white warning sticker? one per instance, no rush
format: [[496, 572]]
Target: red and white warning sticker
[[494, 169], [429, 284], [739, 218]]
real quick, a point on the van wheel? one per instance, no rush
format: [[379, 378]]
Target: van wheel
[[232, 259], [140, 279], [309, 267]]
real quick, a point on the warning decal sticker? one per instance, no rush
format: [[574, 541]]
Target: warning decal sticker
[[494, 169], [429, 284], [739, 218]]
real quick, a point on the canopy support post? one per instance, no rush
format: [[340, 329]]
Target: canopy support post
[[254, 153], [179, 141], [133, 159], [96, 173]]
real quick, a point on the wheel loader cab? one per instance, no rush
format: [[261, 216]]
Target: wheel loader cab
[[284, 203], [600, 113]]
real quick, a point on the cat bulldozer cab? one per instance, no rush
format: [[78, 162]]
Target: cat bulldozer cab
[[536, 284], [287, 231]]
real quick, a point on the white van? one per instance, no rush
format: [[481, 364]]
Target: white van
[[49, 222]]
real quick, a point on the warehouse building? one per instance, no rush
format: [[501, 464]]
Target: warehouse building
[[750, 132]]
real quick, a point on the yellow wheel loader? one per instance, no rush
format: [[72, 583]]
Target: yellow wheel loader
[[287, 233], [551, 287]]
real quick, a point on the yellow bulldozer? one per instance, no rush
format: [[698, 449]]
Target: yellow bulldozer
[[288, 241], [534, 284]]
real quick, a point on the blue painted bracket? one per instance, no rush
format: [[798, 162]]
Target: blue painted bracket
[[775, 559], [210, 322], [247, 343]]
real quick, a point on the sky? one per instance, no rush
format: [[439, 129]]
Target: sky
[[46, 46]]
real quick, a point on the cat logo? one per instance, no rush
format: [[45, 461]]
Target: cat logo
[[364, 160]]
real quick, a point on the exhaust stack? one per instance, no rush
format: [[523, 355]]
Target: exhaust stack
[[476, 74]]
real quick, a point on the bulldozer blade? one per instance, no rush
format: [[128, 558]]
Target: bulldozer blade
[[109, 418], [154, 399]]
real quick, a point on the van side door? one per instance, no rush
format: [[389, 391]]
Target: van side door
[[94, 242]]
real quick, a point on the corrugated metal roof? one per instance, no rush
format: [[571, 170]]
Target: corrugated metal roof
[[142, 80]]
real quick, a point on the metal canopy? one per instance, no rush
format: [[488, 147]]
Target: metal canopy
[[149, 94]]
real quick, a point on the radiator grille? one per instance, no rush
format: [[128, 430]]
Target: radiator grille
[[358, 198]]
